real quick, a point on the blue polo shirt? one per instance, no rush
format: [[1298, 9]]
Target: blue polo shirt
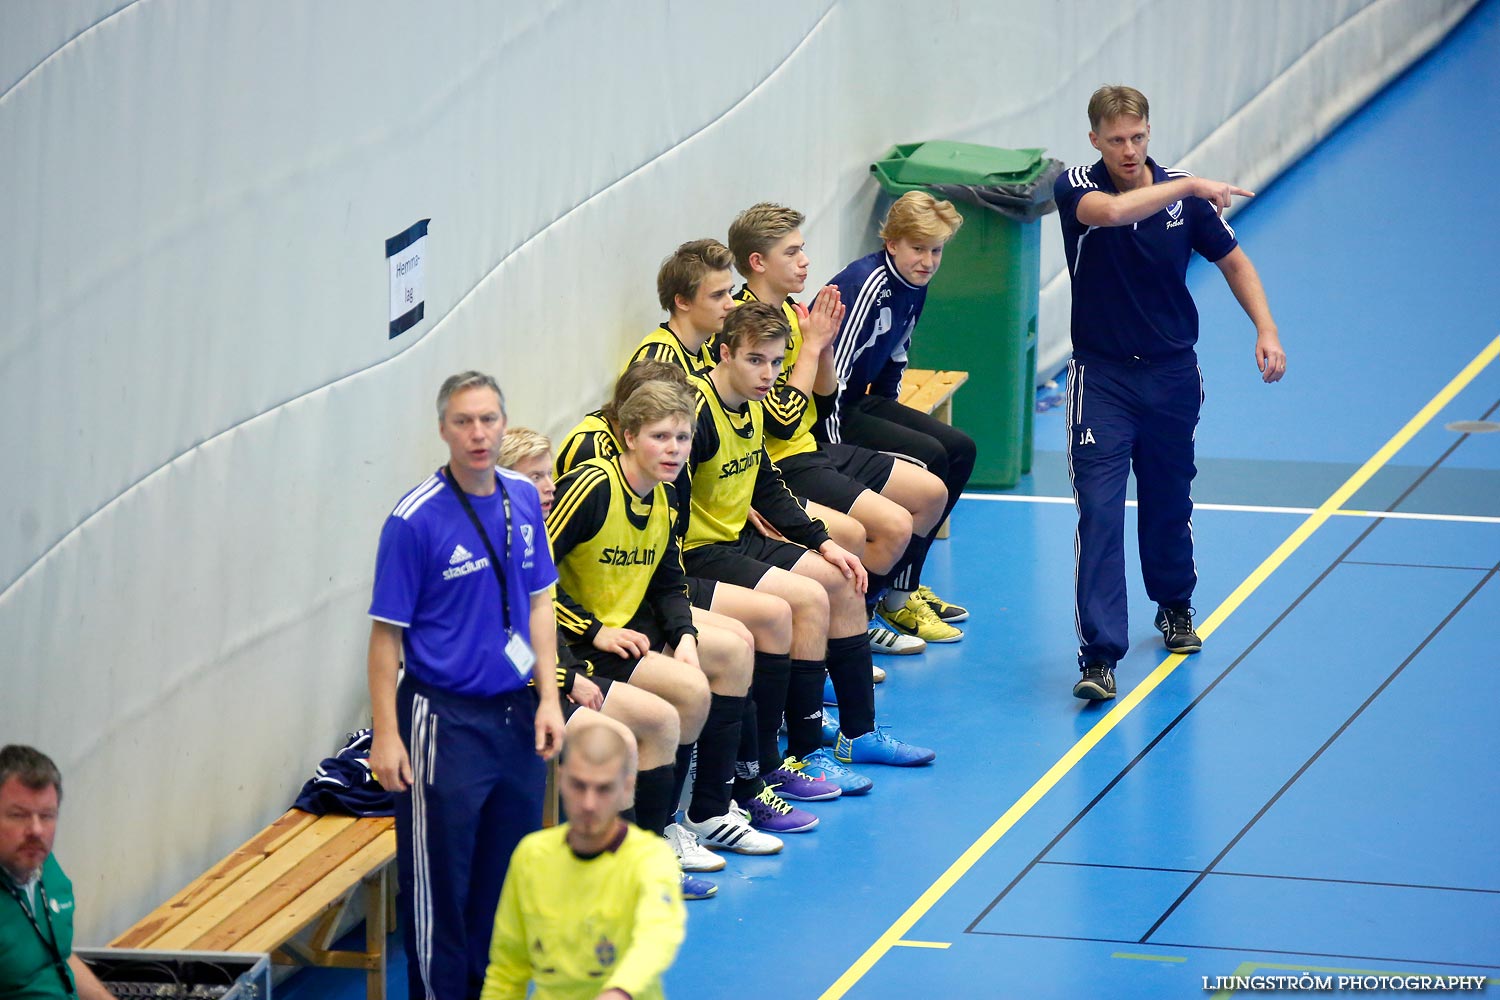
[[1130, 296], [433, 579]]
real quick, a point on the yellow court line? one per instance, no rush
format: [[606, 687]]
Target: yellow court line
[[1149, 958], [1127, 704]]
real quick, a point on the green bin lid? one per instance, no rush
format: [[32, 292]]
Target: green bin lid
[[943, 162]]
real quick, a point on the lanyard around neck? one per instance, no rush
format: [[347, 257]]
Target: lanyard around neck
[[50, 943], [495, 564]]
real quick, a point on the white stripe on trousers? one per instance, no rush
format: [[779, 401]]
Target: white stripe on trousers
[[423, 749], [1075, 417]]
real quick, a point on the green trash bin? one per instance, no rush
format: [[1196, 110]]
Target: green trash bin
[[981, 309]]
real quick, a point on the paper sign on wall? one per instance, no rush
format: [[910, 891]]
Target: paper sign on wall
[[407, 255]]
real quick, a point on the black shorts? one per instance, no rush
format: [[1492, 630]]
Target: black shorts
[[701, 593], [599, 663], [836, 474], [744, 561], [568, 708]]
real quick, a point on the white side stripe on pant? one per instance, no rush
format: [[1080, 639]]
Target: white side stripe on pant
[[423, 753]]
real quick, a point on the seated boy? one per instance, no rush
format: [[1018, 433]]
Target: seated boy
[[693, 285], [767, 618], [888, 288], [821, 581], [899, 503], [651, 723]]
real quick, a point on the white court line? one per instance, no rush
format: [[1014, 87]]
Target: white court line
[[1249, 509]]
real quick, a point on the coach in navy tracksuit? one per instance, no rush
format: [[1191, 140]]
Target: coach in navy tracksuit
[[1134, 390], [463, 591]]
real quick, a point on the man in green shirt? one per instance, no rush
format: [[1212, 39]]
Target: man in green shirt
[[36, 898]]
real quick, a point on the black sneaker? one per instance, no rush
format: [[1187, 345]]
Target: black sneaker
[[1097, 683], [1176, 628]]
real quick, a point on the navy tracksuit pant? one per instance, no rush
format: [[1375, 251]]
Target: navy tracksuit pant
[[477, 789], [1122, 416]]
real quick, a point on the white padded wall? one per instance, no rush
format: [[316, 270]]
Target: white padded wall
[[203, 420]]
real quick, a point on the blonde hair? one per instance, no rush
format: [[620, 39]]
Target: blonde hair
[[1115, 101], [653, 401], [756, 230], [683, 271], [522, 443], [918, 215]]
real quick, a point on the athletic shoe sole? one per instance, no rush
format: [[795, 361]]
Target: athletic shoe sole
[[1184, 646], [953, 638], [697, 888], [1092, 691], [958, 637], [852, 782], [888, 642], [737, 839], [794, 786], [784, 823], [697, 858], [885, 753]]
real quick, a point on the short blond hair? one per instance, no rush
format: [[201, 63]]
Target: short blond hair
[[1115, 100], [918, 215], [522, 443], [757, 229]]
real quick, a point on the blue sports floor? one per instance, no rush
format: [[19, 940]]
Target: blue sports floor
[[1311, 793]]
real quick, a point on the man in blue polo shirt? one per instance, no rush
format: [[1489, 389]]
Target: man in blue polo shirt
[[462, 596], [1134, 390]]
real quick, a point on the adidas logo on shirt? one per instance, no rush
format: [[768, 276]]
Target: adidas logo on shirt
[[462, 563]]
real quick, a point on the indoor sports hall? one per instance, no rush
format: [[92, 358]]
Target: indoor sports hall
[[1304, 803]]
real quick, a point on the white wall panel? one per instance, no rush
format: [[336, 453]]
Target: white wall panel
[[203, 420]]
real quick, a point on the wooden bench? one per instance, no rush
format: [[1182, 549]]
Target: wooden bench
[[302, 870], [932, 392]]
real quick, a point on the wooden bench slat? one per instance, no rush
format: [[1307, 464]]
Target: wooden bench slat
[[927, 390], [325, 893], [255, 908], [213, 911], [208, 885]]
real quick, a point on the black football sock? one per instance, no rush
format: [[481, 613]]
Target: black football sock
[[772, 677], [804, 708], [852, 673], [747, 758], [653, 799], [716, 752]]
